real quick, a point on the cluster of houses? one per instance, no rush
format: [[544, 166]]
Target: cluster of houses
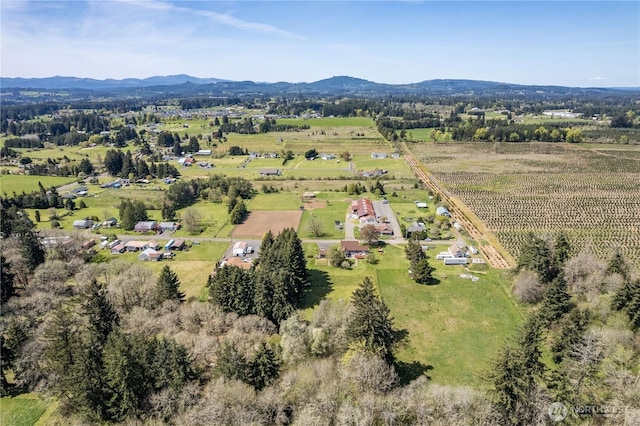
[[364, 211], [149, 250]]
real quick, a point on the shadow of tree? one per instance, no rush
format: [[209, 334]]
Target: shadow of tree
[[320, 287], [409, 371]]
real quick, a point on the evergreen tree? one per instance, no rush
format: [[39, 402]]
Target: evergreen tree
[[230, 363], [31, 249], [168, 211], [101, 315], [263, 368], [370, 323], [232, 289], [422, 272], [168, 286], [124, 375], [571, 330], [414, 252], [618, 265], [536, 257], [6, 276], [238, 213], [561, 250], [627, 299], [63, 350], [510, 385], [556, 301]]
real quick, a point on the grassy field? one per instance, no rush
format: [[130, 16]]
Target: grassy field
[[22, 410], [335, 209], [19, 183], [454, 327]]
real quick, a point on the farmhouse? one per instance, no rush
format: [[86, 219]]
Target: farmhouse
[[443, 211], [309, 196], [240, 248], [145, 226], [236, 261], [421, 205], [353, 248], [82, 224], [326, 156], [203, 152], [150, 255], [384, 229], [416, 227], [270, 172], [378, 155]]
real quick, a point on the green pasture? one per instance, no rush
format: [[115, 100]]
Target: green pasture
[[22, 410], [279, 201], [28, 183], [454, 327], [335, 210], [427, 134], [214, 220], [330, 122], [70, 152]]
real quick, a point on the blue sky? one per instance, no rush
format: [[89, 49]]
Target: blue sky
[[570, 43]]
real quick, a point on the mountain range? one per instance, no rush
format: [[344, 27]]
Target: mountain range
[[186, 85]]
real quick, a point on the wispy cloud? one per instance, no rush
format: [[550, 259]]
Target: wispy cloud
[[598, 78], [220, 18]]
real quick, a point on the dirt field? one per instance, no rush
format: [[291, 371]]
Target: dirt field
[[315, 204], [259, 222]]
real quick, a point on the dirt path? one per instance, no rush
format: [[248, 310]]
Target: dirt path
[[456, 207]]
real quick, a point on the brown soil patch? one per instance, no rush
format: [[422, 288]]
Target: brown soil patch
[[258, 223], [315, 204]]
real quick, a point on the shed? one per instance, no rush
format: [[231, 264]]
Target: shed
[[443, 211], [177, 245], [240, 248], [118, 248], [169, 226], [82, 224], [270, 172], [145, 226], [150, 255]]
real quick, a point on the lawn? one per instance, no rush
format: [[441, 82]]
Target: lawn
[[336, 209], [22, 410], [454, 328], [19, 183]]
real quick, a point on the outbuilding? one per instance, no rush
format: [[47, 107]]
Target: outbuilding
[[240, 248], [82, 224]]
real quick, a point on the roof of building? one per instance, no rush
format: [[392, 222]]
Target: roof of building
[[352, 245], [363, 207]]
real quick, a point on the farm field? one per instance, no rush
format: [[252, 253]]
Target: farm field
[[18, 183], [542, 187], [454, 328]]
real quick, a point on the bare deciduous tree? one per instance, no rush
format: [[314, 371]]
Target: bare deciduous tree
[[527, 288]]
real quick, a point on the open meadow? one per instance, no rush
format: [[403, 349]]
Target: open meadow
[[591, 192], [454, 327]]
